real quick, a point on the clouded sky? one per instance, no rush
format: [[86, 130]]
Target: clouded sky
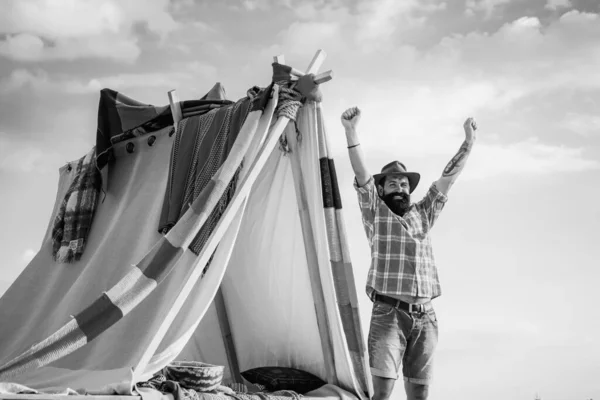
[[514, 243]]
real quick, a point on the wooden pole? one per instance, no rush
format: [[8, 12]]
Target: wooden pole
[[175, 108], [323, 77], [309, 240], [316, 62], [313, 265], [232, 359]]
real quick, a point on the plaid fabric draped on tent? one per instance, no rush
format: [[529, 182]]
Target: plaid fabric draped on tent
[[76, 214]]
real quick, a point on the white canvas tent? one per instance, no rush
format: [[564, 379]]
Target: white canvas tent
[[279, 290]]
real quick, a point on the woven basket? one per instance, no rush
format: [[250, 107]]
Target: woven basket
[[199, 376]]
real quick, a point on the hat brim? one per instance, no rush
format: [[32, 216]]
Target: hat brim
[[413, 178]]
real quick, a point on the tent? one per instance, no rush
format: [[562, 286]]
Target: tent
[[217, 236]]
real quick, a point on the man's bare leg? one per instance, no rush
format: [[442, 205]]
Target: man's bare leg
[[382, 387], [416, 391]]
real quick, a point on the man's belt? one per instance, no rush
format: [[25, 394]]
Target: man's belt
[[402, 305]]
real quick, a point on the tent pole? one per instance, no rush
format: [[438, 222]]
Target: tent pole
[[175, 108], [234, 365], [323, 77], [210, 246], [313, 267], [309, 240], [316, 62]]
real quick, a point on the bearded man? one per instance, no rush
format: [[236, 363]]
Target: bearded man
[[403, 278]]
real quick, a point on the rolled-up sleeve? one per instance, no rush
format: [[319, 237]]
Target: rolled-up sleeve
[[432, 204], [368, 202]]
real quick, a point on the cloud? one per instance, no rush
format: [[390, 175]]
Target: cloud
[[486, 6], [583, 124], [415, 99], [427, 124], [523, 56], [40, 82], [415, 108], [380, 20], [39, 30], [557, 4], [366, 27], [191, 72], [27, 47], [528, 157], [26, 156], [252, 5]]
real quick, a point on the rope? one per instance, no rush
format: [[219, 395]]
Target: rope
[[290, 101]]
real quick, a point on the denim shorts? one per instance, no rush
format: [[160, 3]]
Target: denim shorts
[[397, 337]]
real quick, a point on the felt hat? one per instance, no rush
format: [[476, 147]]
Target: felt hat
[[396, 168]]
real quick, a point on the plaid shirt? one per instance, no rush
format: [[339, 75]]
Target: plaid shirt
[[402, 261]]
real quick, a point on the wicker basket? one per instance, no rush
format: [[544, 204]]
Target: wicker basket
[[199, 376]]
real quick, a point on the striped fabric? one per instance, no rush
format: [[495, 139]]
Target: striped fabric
[[147, 274], [341, 266]]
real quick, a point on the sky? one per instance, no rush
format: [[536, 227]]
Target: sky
[[514, 244]]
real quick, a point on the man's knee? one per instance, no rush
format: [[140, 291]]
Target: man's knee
[[382, 387], [416, 391]]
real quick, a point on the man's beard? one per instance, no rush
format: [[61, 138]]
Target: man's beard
[[398, 202]]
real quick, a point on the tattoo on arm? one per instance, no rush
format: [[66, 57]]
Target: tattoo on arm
[[455, 165]]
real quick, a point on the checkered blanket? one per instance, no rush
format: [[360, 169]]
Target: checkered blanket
[[74, 219]]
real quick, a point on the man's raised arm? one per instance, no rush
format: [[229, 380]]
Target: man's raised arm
[[350, 119], [456, 165]]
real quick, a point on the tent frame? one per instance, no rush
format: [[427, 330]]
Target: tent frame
[[238, 201]]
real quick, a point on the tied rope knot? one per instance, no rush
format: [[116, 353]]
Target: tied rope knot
[[290, 101]]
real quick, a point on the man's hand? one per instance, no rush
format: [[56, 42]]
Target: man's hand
[[350, 118], [470, 128]]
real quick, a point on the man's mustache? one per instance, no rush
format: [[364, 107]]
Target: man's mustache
[[397, 196]]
